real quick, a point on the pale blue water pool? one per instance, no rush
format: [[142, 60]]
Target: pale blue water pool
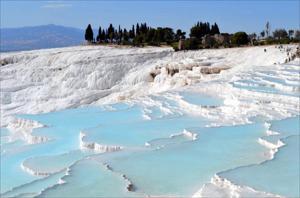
[[266, 89], [63, 128], [280, 175], [89, 179], [156, 156], [167, 156], [102, 125], [282, 81], [201, 99], [181, 169], [138, 133], [34, 188]]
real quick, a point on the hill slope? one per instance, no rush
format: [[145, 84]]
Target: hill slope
[[48, 80], [39, 37]]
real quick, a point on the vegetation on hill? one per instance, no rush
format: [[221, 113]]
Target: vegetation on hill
[[139, 35], [202, 35], [240, 38]]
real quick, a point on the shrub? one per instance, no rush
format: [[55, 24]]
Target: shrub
[[284, 41], [280, 34], [175, 46], [240, 38], [191, 43]]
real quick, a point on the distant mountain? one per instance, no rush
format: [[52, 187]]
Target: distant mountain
[[38, 37]]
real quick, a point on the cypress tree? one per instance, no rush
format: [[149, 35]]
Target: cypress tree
[[125, 35], [137, 29], [120, 33], [102, 37], [111, 32], [116, 35], [106, 35], [207, 28], [99, 35], [217, 31], [89, 35], [212, 30], [150, 35], [131, 32]]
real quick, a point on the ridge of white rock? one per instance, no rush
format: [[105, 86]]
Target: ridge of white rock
[[33, 172], [186, 133], [22, 128], [221, 187], [95, 146], [53, 79], [273, 147]]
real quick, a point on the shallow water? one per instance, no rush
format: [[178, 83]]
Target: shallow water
[[283, 81], [63, 148], [165, 151], [34, 188], [157, 153], [149, 145], [280, 175], [180, 169], [89, 179], [133, 134], [201, 99]]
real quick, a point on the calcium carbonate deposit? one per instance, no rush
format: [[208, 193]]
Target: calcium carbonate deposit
[[95, 121]]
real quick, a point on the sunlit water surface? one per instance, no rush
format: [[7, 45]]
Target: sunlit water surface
[[160, 154]]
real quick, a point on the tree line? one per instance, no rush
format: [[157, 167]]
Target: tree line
[[201, 29], [202, 35], [139, 34]]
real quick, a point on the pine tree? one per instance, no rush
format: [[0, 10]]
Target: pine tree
[[143, 28], [280, 34], [137, 29], [102, 37], [125, 35], [132, 33], [197, 31], [214, 29], [89, 35], [268, 29], [99, 35], [217, 30], [106, 35], [262, 34], [116, 36], [150, 35], [120, 33], [111, 32], [207, 29]]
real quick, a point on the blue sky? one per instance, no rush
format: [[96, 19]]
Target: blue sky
[[231, 16]]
